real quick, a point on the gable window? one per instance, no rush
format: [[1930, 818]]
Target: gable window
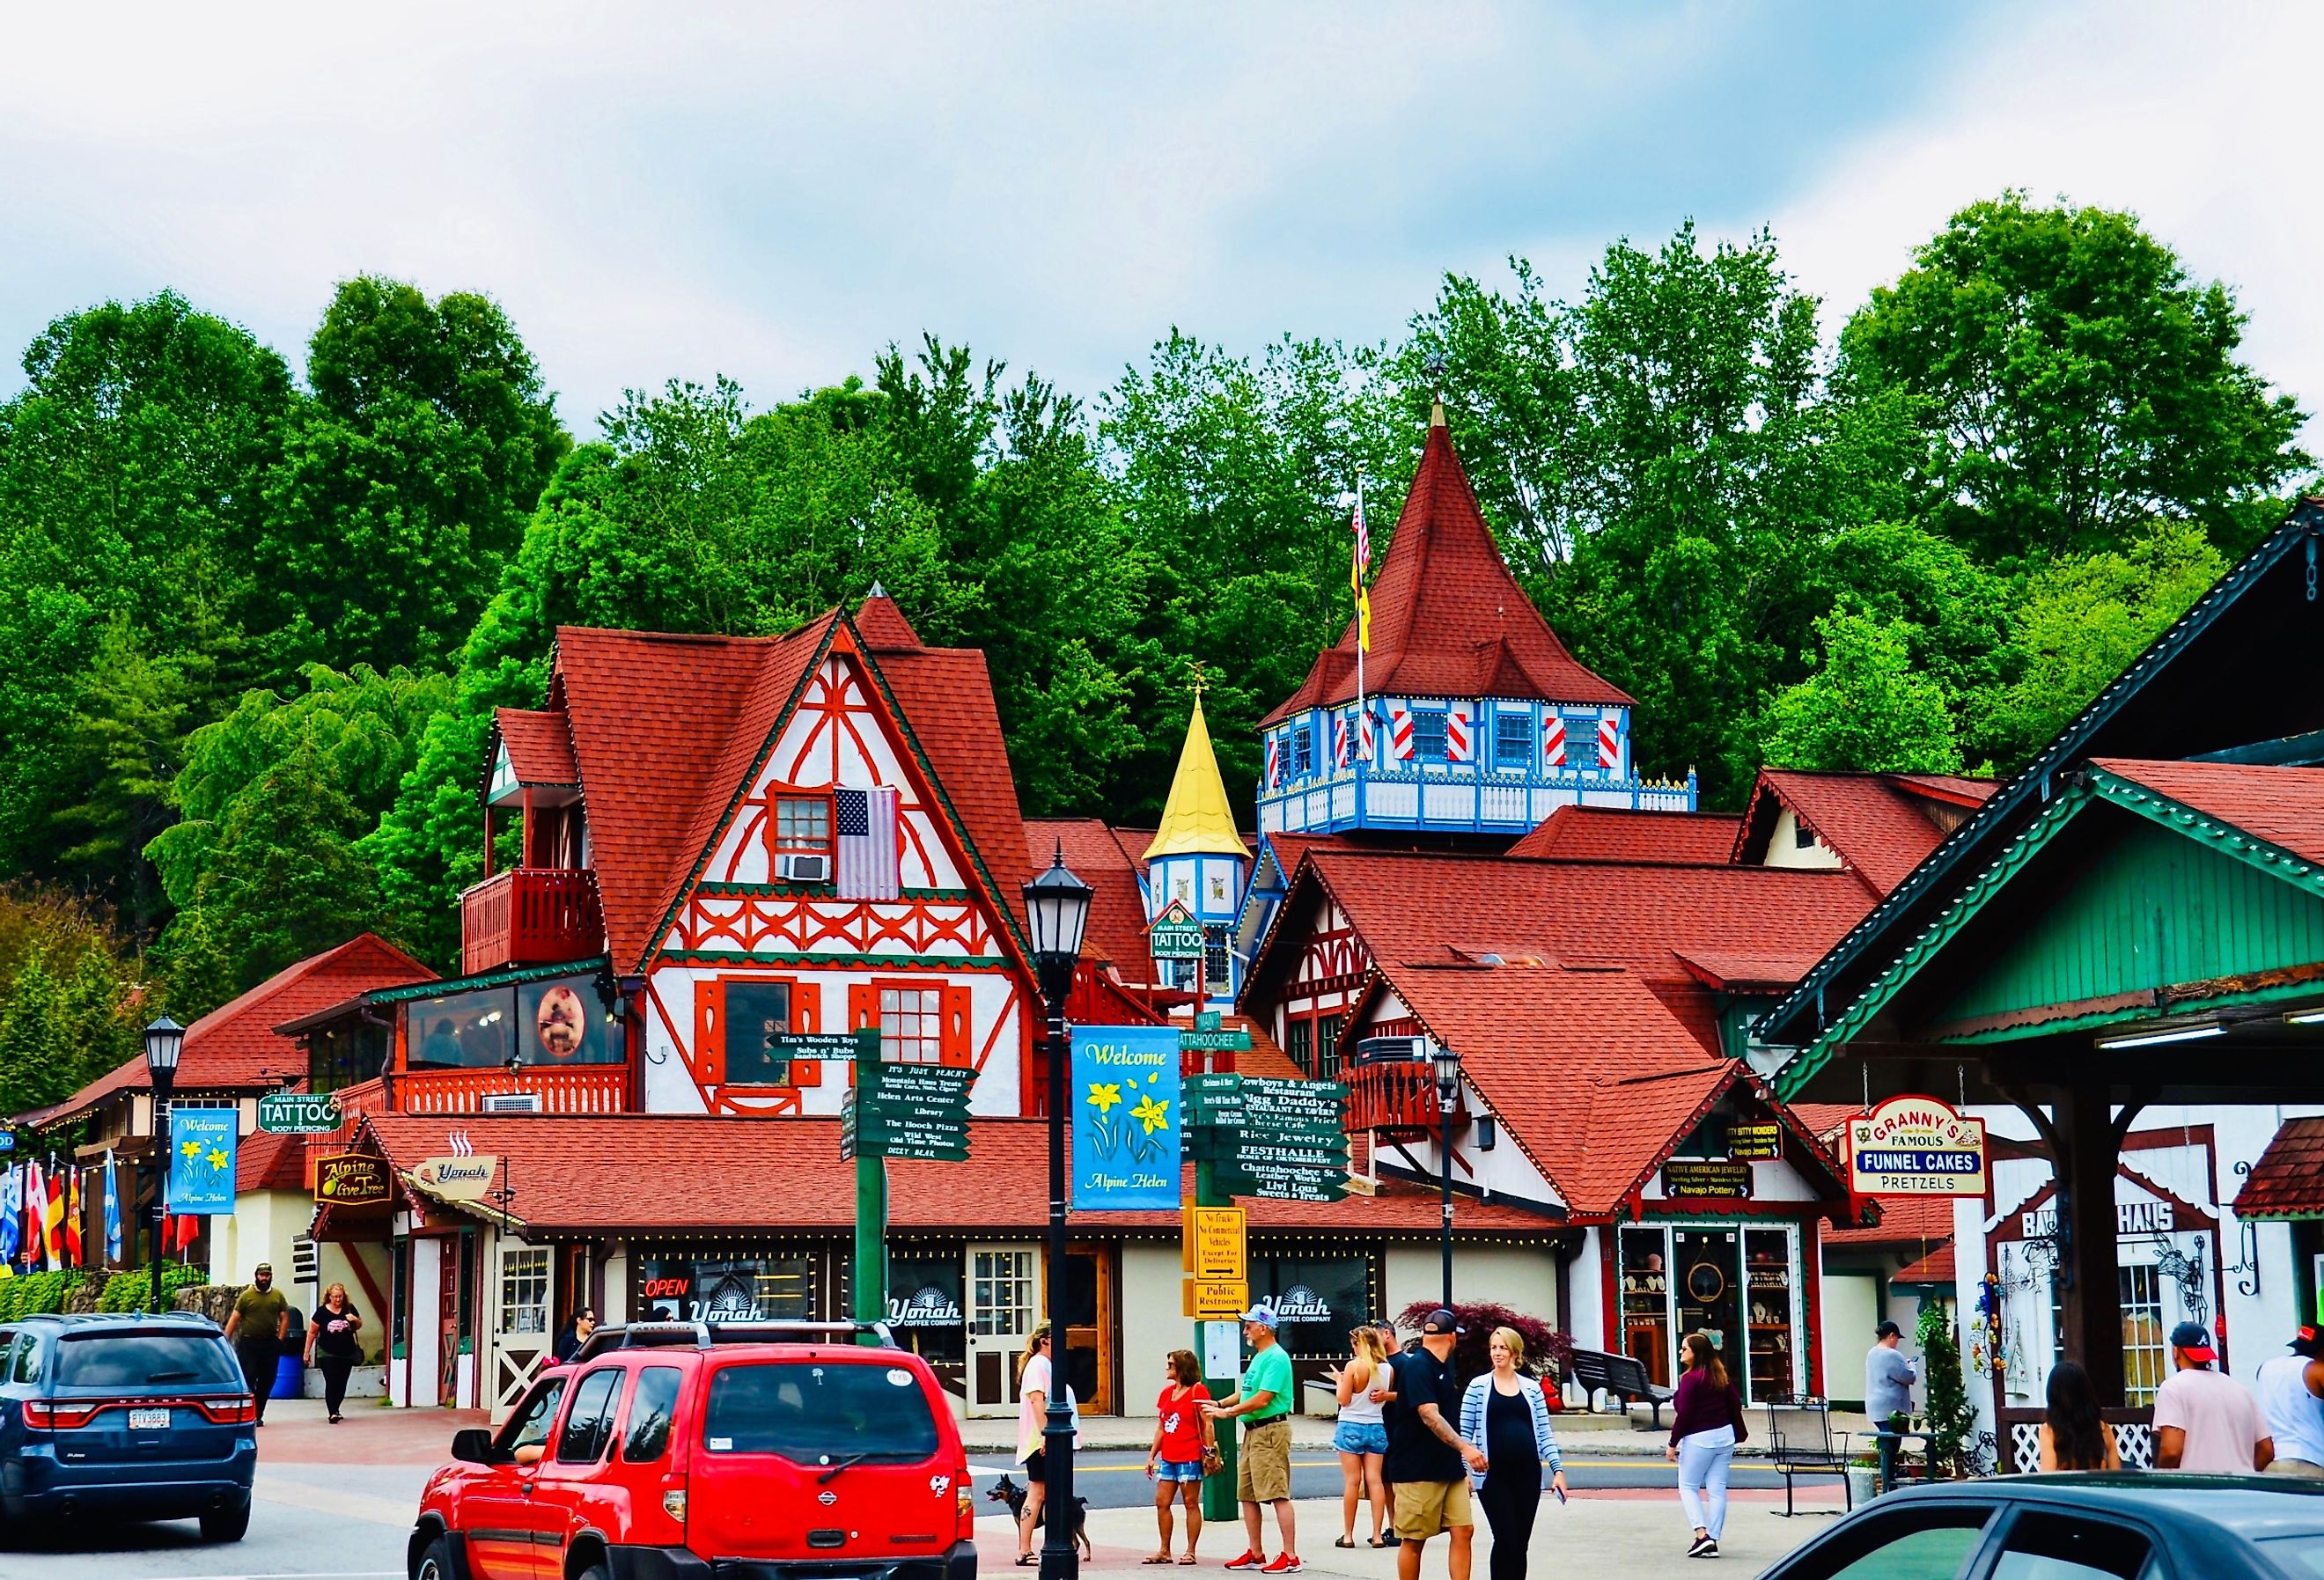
[[1512, 740], [802, 825], [1581, 741], [1428, 734], [1303, 749], [1802, 836]]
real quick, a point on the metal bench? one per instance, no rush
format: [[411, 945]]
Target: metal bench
[[1620, 1376], [1801, 1442]]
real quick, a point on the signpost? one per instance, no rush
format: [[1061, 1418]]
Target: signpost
[[911, 1110], [298, 1113]]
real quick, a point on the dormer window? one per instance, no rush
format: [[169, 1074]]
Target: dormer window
[[1303, 750], [1428, 734], [798, 837]]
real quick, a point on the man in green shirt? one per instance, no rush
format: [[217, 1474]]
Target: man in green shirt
[[1263, 1468], [260, 1323]]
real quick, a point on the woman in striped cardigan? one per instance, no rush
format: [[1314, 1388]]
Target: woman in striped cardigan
[[1505, 1414]]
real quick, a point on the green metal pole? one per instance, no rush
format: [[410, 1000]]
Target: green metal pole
[[870, 1278], [1218, 1501]]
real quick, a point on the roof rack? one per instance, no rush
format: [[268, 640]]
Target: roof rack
[[701, 1335]]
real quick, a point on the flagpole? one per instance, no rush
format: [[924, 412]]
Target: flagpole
[[1363, 635]]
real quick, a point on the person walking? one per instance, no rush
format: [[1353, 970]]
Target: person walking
[[2205, 1420], [1184, 1441], [1361, 1438], [2292, 1400], [2073, 1434], [1505, 1413], [331, 1342], [1888, 1378], [1426, 1454], [1263, 1466], [1706, 1424], [575, 1333], [1035, 1378], [260, 1322], [1384, 1395]]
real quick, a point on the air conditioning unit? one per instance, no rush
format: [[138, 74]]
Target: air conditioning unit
[[803, 869], [510, 1103], [1389, 1049]]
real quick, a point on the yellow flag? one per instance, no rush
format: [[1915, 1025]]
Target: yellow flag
[[1363, 620]]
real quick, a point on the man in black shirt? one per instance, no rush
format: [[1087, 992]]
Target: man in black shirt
[[1425, 1454]]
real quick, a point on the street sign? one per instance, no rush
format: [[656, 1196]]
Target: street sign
[[1208, 1020], [457, 1178], [910, 1112], [812, 1045], [1216, 1297], [298, 1113], [1217, 1244], [1237, 1041], [1175, 934], [1269, 1184], [351, 1179]]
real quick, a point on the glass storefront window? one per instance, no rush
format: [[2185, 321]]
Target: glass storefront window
[[727, 1288], [561, 1020], [924, 1307], [524, 1289], [1767, 1267], [1646, 1301], [1737, 1285], [1318, 1297]]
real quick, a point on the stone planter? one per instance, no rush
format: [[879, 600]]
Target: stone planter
[[1863, 1484]]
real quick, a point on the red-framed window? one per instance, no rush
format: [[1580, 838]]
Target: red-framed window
[[922, 1019], [734, 1018], [798, 822]]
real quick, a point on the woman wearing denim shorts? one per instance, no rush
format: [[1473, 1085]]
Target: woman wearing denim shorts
[[1182, 1434], [1362, 1436]]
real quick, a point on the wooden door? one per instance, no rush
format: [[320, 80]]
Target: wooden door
[[1002, 1282], [449, 1297], [1087, 1311]]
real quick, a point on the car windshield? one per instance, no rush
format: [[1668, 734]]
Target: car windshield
[[143, 1360], [811, 1412]]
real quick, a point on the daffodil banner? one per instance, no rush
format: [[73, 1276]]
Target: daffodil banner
[[1126, 1118], [201, 1160]]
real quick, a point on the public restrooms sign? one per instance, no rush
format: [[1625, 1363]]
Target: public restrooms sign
[[1915, 1146]]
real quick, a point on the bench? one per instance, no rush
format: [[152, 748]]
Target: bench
[[1801, 1442], [1620, 1376]]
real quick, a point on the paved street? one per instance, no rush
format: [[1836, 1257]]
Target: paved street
[[335, 1503]]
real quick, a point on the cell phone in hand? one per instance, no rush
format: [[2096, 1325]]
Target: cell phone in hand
[[1561, 1493]]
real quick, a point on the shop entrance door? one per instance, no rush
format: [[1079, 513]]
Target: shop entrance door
[[1001, 1283], [1707, 1270], [1087, 1314], [450, 1298]]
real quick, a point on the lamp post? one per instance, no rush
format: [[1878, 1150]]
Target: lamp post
[[1056, 909], [165, 1040], [1448, 1087]]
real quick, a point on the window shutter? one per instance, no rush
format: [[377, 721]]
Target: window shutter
[[958, 1017], [710, 1033], [807, 999]]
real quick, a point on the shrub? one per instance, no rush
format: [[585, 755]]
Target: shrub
[[1952, 1419], [35, 1294], [1548, 1350], [134, 1291]]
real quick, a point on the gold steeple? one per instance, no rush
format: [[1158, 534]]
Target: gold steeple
[[1196, 821]]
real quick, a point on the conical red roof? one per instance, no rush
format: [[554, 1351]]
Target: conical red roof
[[1448, 619]]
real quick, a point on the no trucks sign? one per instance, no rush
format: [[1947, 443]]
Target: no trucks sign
[[1915, 1146]]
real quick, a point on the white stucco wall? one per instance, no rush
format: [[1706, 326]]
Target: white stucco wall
[[1152, 1325]]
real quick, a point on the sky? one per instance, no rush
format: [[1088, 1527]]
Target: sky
[[774, 193]]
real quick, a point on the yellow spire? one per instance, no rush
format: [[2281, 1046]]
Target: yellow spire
[[1196, 821]]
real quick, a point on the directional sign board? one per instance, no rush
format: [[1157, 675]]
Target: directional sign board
[[908, 1111], [1175, 934], [298, 1113], [1236, 1041], [1275, 1138], [1216, 1297], [812, 1044]]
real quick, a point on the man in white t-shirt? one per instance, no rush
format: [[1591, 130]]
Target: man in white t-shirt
[[2204, 1420]]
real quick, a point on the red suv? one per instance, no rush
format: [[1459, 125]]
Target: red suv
[[681, 1450]]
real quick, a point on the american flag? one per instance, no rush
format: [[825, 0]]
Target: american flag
[[865, 823]]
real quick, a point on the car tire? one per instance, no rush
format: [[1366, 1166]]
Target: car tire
[[226, 1524], [436, 1561], [593, 1572]]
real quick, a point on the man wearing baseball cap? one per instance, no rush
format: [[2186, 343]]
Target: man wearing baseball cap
[[1426, 1452], [2205, 1420], [1263, 1468], [2291, 1399]]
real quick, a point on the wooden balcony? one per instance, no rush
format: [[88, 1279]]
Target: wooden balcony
[[1395, 1094], [530, 916], [592, 1088]]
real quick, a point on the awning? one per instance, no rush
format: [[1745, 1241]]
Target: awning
[[2288, 1180]]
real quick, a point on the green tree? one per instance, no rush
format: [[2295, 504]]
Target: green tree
[[1864, 708], [2070, 382], [71, 998]]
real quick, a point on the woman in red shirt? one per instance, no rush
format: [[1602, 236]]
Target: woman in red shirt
[[1182, 1436]]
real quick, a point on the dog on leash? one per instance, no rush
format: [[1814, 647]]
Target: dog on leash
[[1007, 1492]]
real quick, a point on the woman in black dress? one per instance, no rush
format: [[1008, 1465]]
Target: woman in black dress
[[332, 1344]]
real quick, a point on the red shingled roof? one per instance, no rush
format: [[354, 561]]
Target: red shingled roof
[[946, 695], [883, 627], [1747, 970], [265, 1161], [1936, 1267], [1100, 857], [1881, 825], [726, 1174], [1904, 1220], [1617, 833], [236, 1047], [2282, 806], [2288, 1180], [1592, 1078], [540, 745], [1448, 619]]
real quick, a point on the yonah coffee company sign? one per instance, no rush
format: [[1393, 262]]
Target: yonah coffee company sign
[[1915, 1146], [457, 1179]]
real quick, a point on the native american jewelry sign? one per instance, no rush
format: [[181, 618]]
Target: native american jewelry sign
[[1125, 1117], [1917, 1146]]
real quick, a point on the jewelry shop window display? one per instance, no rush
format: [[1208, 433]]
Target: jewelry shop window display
[[1646, 1301]]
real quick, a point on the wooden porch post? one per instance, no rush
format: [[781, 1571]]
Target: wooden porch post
[[2084, 1140]]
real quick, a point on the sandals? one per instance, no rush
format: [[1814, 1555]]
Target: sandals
[[1027, 1560], [1344, 1541], [1152, 1558], [1380, 1541], [1188, 1561]]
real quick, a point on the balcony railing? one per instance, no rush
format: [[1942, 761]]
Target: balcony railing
[[1395, 1094], [530, 916], [602, 1089]]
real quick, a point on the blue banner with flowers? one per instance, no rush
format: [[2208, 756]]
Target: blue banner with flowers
[[1125, 1117], [202, 1159]]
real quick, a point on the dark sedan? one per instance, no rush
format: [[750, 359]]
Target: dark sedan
[[2127, 1526]]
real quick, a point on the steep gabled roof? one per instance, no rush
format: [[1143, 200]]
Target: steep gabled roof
[[2282, 806], [1448, 619], [883, 625], [1881, 825], [1196, 819], [236, 1048], [1100, 857], [1617, 833], [540, 745], [2288, 1180]]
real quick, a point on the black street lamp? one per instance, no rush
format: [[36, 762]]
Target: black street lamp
[[165, 1040], [1448, 1088], [1057, 908]]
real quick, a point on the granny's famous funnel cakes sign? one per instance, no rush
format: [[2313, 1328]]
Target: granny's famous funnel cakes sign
[[1915, 1146]]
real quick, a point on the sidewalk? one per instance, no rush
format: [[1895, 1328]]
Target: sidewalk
[[1639, 1535], [1579, 1432]]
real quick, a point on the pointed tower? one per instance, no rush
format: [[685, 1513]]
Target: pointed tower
[[1477, 718], [1198, 860]]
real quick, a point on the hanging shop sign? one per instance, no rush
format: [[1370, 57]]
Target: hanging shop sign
[[202, 1159], [1683, 1177], [1915, 1146], [1175, 934], [351, 1179], [298, 1113], [1755, 1142], [457, 1178], [1127, 1119], [906, 1110]]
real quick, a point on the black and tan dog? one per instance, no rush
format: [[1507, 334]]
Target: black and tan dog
[[1007, 1492]]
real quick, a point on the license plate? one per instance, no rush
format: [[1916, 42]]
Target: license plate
[[149, 1420]]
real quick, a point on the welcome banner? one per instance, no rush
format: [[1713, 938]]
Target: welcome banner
[[1127, 1123]]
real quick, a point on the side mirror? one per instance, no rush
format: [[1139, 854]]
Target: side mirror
[[475, 1446]]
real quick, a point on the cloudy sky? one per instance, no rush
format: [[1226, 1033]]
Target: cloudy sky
[[775, 192]]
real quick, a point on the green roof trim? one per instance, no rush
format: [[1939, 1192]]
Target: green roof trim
[[504, 977]]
